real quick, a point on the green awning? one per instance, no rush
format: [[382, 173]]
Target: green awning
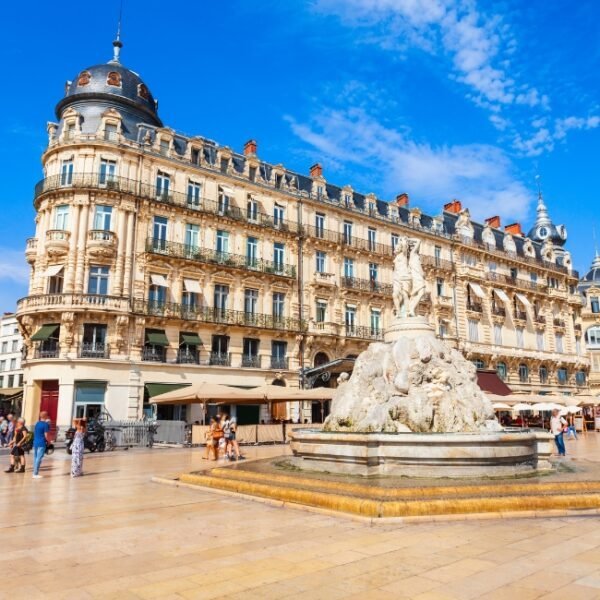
[[191, 338], [44, 333], [158, 338], [154, 389]]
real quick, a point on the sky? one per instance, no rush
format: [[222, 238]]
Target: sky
[[440, 99]]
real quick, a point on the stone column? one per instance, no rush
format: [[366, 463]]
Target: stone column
[[128, 259], [117, 288], [75, 253], [81, 246]]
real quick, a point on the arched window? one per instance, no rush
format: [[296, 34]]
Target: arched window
[[592, 336], [580, 378], [320, 359], [479, 364], [523, 373], [562, 375], [113, 78], [84, 78], [543, 373], [143, 91], [501, 370], [278, 382]]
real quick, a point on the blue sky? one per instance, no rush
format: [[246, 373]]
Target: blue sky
[[441, 99]]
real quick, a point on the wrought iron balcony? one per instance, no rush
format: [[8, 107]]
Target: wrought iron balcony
[[540, 319], [251, 361], [342, 239], [436, 262], [280, 362], [150, 192], [94, 350], [208, 314], [515, 281], [48, 349], [223, 259], [221, 359], [366, 285], [559, 323], [363, 332], [475, 307], [498, 311], [520, 315], [185, 356], [152, 353]]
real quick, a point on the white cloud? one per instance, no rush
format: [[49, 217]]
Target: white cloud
[[479, 175], [13, 266]]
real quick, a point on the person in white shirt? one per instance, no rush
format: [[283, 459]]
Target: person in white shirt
[[557, 426]]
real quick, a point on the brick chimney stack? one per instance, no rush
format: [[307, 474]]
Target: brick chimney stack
[[316, 171], [250, 147], [402, 199], [453, 207], [494, 222], [514, 229]]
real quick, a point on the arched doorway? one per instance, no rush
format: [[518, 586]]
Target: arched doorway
[[320, 359]]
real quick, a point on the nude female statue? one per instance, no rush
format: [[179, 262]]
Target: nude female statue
[[401, 286], [418, 277]]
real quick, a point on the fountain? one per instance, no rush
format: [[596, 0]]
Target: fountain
[[412, 406]]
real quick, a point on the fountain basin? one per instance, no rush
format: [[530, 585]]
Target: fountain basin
[[453, 455]]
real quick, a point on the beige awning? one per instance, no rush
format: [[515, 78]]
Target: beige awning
[[524, 300], [197, 393], [159, 280], [477, 290], [53, 270], [502, 295], [191, 285]]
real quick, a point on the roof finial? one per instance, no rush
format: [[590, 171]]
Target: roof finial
[[539, 187], [117, 43]]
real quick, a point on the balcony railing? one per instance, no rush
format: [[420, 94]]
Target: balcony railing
[[220, 359], [434, 261], [154, 354], [93, 350], [280, 362], [224, 259], [520, 315], [515, 281], [252, 362], [366, 285], [540, 319], [64, 301], [187, 357], [208, 314], [101, 235], [31, 244], [363, 332], [499, 311], [475, 307], [49, 349], [57, 235], [150, 192], [342, 239], [559, 323]]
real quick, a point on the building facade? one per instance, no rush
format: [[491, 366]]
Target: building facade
[[164, 259], [11, 344], [589, 287]]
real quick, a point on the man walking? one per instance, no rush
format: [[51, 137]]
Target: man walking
[[557, 426], [41, 436]]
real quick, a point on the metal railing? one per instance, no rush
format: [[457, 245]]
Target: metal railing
[[475, 307], [47, 350], [343, 239], [559, 323], [94, 350], [515, 281], [137, 433], [223, 259], [280, 362], [499, 311], [251, 361], [221, 359], [363, 332], [434, 261], [185, 356], [152, 353], [367, 285], [207, 314]]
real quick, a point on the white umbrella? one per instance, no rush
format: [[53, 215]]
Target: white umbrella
[[500, 406], [545, 406], [570, 410], [521, 406]]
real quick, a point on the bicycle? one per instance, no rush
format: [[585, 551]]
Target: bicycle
[[110, 440]]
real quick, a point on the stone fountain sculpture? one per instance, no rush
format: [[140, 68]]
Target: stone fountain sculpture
[[413, 381]]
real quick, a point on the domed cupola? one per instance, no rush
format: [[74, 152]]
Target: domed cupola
[[110, 85], [544, 229], [593, 275]]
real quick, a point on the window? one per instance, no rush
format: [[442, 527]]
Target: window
[[252, 252], [498, 334], [319, 225], [250, 352], [539, 339], [163, 184], [321, 261], [4, 347], [533, 277], [98, 281], [372, 239], [373, 272], [479, 364], [159, 233], [437, 253], [395, 240], [278, 180], [559, 343], [55, 283], [194, 193], [113, 78], [13, 364], [473, 330], [592, 336], [278, 255], [321, 311], [520, 337], [278, 215], [70, 131], [102, 217], [580, 378], [2, 365], [278, 305], [523, 373], [348, 267], [61, 217], [252, 173], [111, 132], [221, 297], [10, 381], [347, 236], [222, 242], [15, 346], [108, 170], [514, 273], [562, 375], [469, 259], [595, 304], [375, 321], [164, 147], [157, 296], [347, 200], [252, 209], [553, 283], [350, 318], [492, 267], [371, 208], [1, 381], [66, 172], [320, 192], [578, 347], [219, 354], [278, 355], [189, 300], [543, 374], [94, 341], [224, 201], [439, 286], [442, 329], [195, 156], [501, 370], [250, 301]]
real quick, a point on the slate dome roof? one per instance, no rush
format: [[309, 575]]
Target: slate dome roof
[[593, 275]]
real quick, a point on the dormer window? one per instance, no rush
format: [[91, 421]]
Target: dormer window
[[143, 91], [195, 156], [84, 78], [252, 173], [224, 165], [278, 180], [70, 131], [113, 78], [347, 200], [164, 147], [110, 132], [371, 208]]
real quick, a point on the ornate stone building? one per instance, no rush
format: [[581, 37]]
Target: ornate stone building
[[589, 287], [163, 259]]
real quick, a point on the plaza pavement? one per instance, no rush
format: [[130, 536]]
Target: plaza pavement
[[115, 534]]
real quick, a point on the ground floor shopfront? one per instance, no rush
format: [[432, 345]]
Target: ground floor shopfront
[[123, 389]]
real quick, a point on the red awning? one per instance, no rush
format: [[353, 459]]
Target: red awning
[[490, 382]]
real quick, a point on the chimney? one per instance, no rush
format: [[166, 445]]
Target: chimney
[[493, 222], [514, 229], [316, 170], [402, 199], [250, 147], [453, 207]]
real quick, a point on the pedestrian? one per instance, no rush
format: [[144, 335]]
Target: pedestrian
[[571, 430], [3, 432], [557, 428], [17, 452], [78, 447], [233, 440], [41, 436], [226, 426], [11, 427]]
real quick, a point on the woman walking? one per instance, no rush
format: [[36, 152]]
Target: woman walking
[[78, 447], [17, 453]]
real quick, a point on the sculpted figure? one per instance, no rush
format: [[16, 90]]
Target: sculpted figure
[[401, 287], [417, 277]]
